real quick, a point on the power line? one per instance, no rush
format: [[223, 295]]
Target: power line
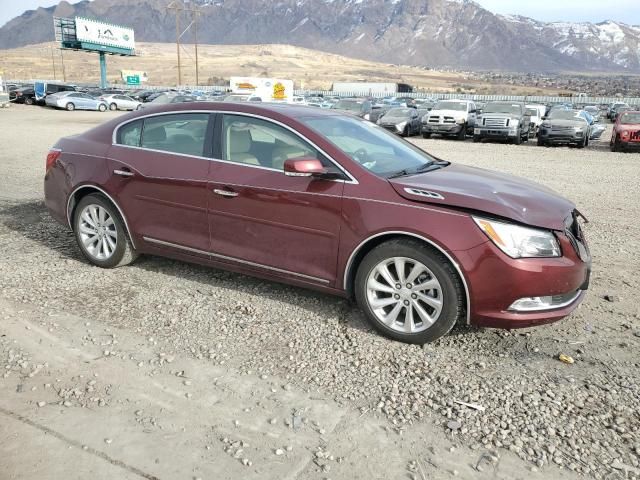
[[179, 7]]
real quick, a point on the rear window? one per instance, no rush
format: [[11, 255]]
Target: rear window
[[179, 133], [129, 134]]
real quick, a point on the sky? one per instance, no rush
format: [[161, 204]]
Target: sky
[[546, 10]]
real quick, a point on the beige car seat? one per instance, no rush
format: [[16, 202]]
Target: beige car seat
[[239, 145]]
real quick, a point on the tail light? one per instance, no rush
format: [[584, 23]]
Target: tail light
[[52, 157]]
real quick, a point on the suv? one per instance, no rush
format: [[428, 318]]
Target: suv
[[503, 120], [450, 118]]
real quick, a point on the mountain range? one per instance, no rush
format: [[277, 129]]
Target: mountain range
[[433, 33]]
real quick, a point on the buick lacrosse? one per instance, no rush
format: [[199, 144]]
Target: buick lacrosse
[[321, 199]]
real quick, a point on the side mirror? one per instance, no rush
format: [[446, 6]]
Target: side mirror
[[303, 167]]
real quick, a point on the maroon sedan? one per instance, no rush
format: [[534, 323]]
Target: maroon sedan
[[323, 200]]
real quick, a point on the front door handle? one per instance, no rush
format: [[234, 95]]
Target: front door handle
[[225, 193], [123, 173]]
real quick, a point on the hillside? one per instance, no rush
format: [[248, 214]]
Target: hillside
[[308, 68], [434, 33]]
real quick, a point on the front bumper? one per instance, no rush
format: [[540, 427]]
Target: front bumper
[[562, 138], [392, 128], [442, 128], [496, 281], [629, 145], [495, 132]]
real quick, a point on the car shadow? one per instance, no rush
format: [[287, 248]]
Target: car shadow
[[31, 220]]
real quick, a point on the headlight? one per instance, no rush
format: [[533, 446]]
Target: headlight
[[366, 116], [401, 125], [520, 242], [460, 121], [514, 122]]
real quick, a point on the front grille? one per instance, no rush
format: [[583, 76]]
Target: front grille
[[449, 120], [561, 129], [495, 122], [434, 119]]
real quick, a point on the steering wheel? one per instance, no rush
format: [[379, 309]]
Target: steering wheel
[[361, 156]]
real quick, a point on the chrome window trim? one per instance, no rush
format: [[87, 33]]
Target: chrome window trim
[[124, 218], [234, 259], [430, 242], [352, 179]]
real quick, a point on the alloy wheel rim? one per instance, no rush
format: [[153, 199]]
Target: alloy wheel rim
[[98, 232], [404, 295]]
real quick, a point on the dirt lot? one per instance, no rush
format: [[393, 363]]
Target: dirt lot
[[173, 371]]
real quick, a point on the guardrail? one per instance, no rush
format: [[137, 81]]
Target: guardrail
[[436, 96]]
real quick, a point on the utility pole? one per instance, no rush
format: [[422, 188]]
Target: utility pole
[[64, 73], [53, 63], [179, 6]]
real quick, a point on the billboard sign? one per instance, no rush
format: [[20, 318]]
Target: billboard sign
[[268, 89], [106, 34]]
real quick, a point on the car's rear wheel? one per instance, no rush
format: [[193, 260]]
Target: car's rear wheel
[[518, 139], [102, 107], [101, 234], [409, 292], [477, 139], [426, 135], [70, 106], [29, 101], [462, 134], [113, 107]]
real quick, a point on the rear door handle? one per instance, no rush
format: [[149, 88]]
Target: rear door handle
[[225, 193], [123, 173]]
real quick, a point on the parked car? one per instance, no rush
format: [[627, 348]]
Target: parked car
[[355, 106], [24, 95], [626, 132], [75, 101], [404, 121], [613, 108], [503, 121], [242, 97], [535, 119], [594, 111], [619, 110], [378, 111], [565, 127], [452, 118], [419, 242], [120, 102]]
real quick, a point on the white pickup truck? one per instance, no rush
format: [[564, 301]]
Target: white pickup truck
[[455, 118]]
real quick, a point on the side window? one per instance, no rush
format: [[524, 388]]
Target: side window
[[253, 141], [129, 134], [180, 133]]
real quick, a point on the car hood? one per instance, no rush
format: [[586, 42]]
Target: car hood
[[560, 122], [495, 193], [448, 113]]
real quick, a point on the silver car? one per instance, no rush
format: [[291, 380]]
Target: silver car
[[120, 102], [74, 101]]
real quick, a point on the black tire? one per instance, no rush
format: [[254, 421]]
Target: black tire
[[541, 142], [582, 144], [113, 107], [426, 135], [102, 107], [462, 134], [124, 253], [70, 107], [29, 101], [518, 139], [477, 139], [453, 299]]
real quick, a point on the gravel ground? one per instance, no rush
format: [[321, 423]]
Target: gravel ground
[[583, 417]]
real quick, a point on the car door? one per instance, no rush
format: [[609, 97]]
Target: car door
[[262, 218], [158, 167], [85, 102]]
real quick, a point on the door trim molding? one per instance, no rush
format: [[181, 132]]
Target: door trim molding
[[234, 259]]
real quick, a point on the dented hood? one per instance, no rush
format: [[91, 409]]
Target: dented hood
[[495, 193]]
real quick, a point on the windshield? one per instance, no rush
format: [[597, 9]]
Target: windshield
[[377, 150], [565, 115], [351, 105], [457, 106], [630, 118], [508, 108], [399, 113], [162, 99]]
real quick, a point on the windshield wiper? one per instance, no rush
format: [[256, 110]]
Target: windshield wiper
[[402, 173], [428, 167]]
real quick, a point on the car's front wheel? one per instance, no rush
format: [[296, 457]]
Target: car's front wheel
[[70, 106], [409, 292], [113, 107], [102, 107], [101, 234]]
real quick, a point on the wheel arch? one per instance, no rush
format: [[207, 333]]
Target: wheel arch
[[82, 191], [368, 244]]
